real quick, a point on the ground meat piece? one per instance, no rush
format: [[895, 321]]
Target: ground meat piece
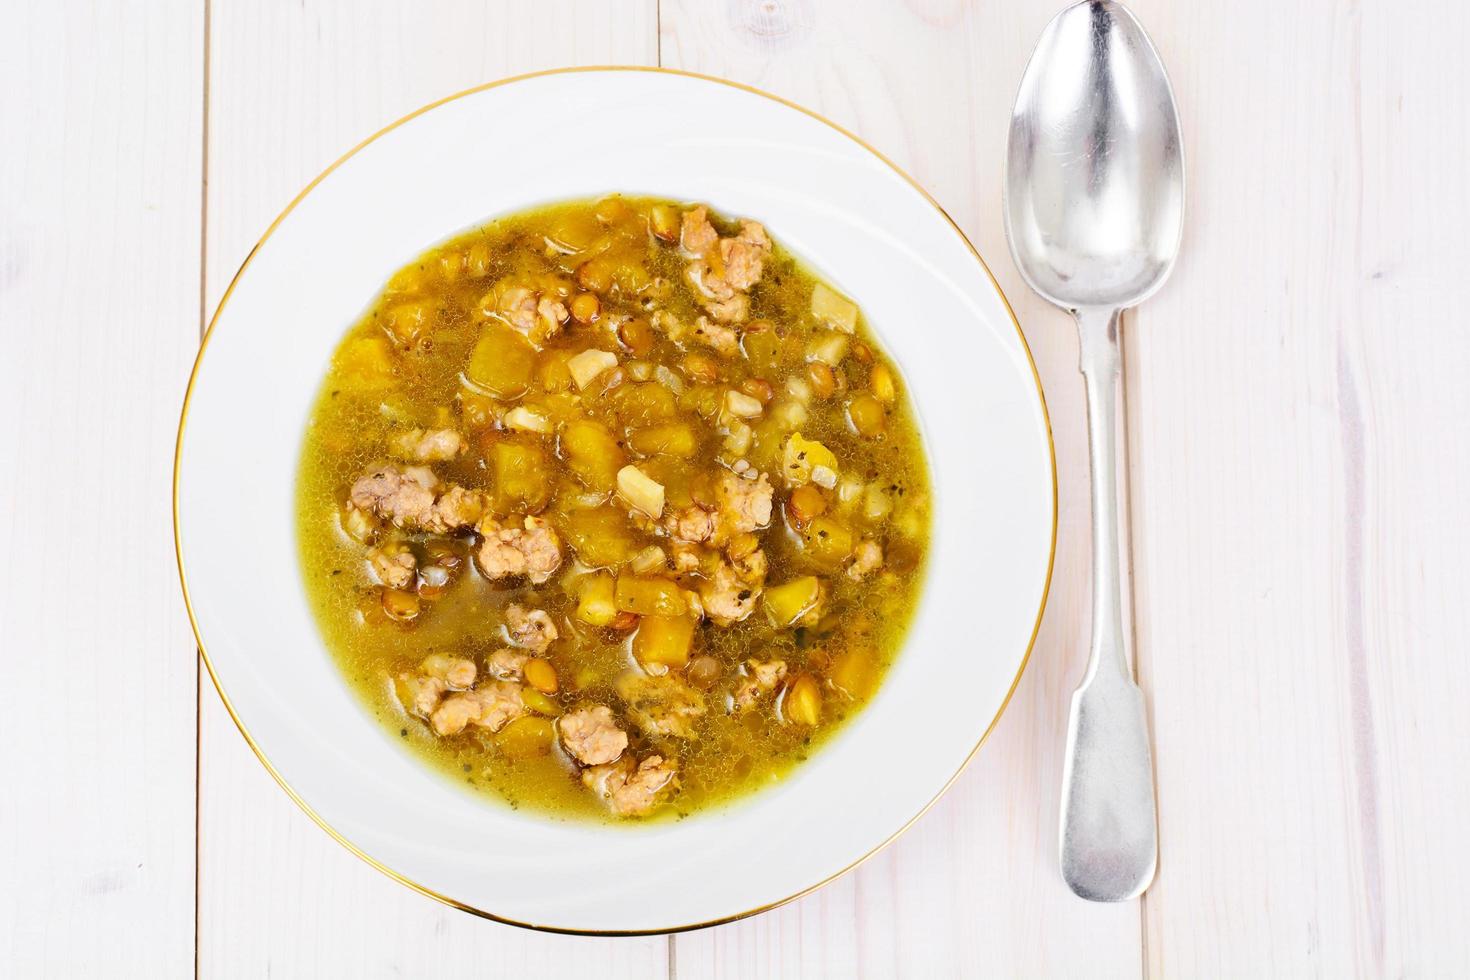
[[628, 790], [500, 704], [591, 735], [744, 505], [662, 705], [691, 525], [421, 694], [687, 557], [429, 445], [745, 255], [538, 316], [696, 234], [533, 550], [730, 592], [456, 508], [867, 558], [408, 497], [454, 713], [403, 496], [508, 665], [732, 309], [723, 339], [457, 672], [532, 629], [394, 565], [761, 677]]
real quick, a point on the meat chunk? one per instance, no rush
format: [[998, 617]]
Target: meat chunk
[[745, 255], [533, 550], [404, 496], [429, 445], [744, 504], [507, 665], [629, 790], [491, 706], [422, 691], [409, 497], [421, 694], [723, 270], [457, 672], [691, 525], [394, 565], [696, 234], [867, 558], [725, 340], [730, 592], [591, 735], [537, 315], [531, 629], [662, 705], [456, 508], [761, 677]]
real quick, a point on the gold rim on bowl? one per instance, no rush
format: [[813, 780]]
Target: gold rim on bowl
[[422, 889]]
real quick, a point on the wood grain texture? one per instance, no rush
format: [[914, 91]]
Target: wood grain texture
[[1298, 418], [292, 87], [973, 888], [99, 303]]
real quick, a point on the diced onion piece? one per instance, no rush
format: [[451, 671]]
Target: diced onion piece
[[737, 440], [877, 504], [824, 476], [666, 377], [640, 491], [524, 419], [649, 559], [743, 405], [828, 348], [834, 309], [589, 364], [799, 388]]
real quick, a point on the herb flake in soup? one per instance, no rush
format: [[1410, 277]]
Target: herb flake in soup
[[613, 509]]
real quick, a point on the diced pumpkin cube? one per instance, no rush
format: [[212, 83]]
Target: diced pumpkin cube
[[641, 492], [788, 604], [586, 366], [667, 439], [828, 542], [368, 362], [600, 536], [527, 737], [803, 702], [664, 640], [801, 456], [502, 361], [644, 404], [650, 596], [595, 603], [592, 453], [854, 673], [834, 309], [522, 477]]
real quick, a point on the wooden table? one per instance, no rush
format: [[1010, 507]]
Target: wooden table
[[1296, 409]]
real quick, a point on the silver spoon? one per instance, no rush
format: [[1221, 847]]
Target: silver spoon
[[1094, 207]]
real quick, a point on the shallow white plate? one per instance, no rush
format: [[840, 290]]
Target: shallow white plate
[[819, 191]]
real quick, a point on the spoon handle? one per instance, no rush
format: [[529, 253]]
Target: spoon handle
[[1109, 842]]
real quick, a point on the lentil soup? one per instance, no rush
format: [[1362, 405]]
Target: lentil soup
[[612, 509]]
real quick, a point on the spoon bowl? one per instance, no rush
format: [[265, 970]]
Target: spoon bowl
[[1094, 175]]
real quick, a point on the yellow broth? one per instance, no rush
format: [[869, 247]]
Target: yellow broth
[[409, 363]]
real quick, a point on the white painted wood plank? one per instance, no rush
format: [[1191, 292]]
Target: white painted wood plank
[[1297, 412], [291, 88], [973, 888], [99, 306]]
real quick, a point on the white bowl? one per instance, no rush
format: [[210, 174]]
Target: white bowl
[[855, 217]]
